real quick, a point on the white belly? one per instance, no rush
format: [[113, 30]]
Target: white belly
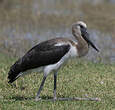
[[39, 69]]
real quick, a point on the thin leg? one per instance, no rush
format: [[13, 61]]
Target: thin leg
[[41, 86], [55, 83]]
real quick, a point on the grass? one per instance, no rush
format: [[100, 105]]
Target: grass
[[76, 79]]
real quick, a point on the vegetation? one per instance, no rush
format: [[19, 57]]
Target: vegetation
[[23, 21], [77, 79]]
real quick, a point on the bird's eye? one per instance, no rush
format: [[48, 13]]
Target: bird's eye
[[81, 26]]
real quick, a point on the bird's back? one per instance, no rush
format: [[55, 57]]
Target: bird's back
[[40, 55]]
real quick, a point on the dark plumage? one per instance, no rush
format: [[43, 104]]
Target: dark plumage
[[42, 54]]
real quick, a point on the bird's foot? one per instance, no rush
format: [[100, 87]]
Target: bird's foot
[[37, 99]]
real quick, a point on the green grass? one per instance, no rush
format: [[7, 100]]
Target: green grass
[[76, 79]]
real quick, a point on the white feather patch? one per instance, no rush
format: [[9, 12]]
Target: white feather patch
[[60, 44]]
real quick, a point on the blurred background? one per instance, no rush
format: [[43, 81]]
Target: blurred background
[[24, 23]]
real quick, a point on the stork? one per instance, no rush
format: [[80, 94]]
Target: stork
[[50, 55]]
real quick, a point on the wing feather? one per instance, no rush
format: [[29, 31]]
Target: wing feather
[[37, 57], [42, 54]]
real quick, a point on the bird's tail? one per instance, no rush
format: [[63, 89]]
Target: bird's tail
[[14, 72]]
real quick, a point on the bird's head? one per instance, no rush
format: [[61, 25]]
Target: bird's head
[[79, 29]]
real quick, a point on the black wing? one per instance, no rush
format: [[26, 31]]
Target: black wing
[[42, 54]]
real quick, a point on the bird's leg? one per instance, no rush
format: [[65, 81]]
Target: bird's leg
[[55, 81], [41, 86]]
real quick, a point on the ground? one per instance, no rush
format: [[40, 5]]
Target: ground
[[78, 78]]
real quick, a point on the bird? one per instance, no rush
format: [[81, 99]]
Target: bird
[[48, 56]]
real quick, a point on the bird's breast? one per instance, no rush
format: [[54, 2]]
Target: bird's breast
[[73, 51]]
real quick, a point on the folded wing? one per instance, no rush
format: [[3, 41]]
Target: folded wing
[[42, 54]]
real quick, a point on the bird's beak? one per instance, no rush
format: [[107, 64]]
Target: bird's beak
[[85, 35]]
